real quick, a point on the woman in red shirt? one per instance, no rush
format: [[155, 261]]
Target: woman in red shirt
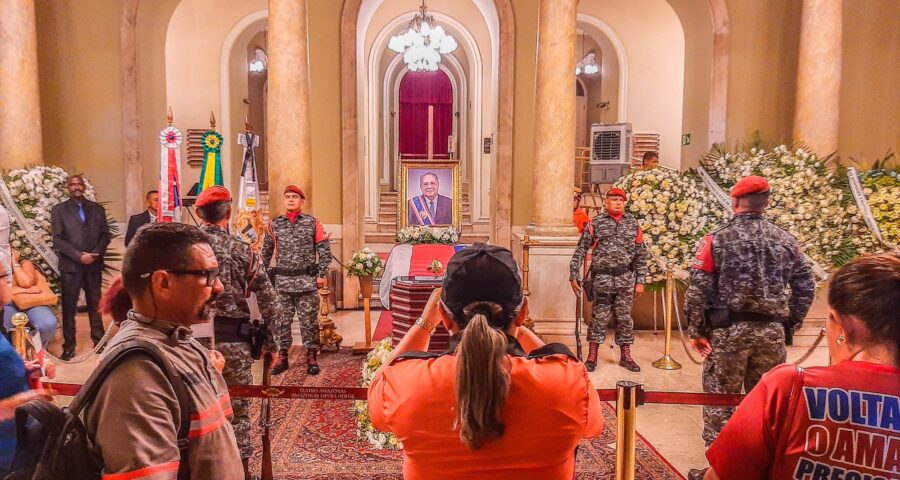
[[499, 403], [836, 422]]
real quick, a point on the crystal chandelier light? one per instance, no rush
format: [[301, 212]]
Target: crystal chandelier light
[[423, 43], [587, 65]]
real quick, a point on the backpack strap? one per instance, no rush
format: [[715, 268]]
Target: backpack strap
[[117, 356]]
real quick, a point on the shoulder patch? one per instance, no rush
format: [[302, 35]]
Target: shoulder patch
[[704, 260]]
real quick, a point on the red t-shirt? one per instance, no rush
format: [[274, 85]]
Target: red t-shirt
[[842, 423]]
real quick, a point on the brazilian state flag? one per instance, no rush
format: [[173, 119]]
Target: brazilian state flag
[[211, 172]]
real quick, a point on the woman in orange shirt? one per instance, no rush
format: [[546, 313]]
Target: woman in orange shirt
[[499, 403]]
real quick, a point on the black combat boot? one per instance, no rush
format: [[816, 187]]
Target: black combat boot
[[591, 363], [626, 361], [312, 364], [281, 365], [697, 473]]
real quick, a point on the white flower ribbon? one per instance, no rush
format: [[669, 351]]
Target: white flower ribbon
[[33, 237], [862, 203]]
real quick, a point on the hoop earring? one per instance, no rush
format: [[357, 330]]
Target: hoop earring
[[841, 340]]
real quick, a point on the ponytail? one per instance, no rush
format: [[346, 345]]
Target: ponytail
[[482, 377]]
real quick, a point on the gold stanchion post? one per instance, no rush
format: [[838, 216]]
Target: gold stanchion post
[[526, 246], [667, 362], [365, 288], [328, 336], [19, 337], [627, 400]]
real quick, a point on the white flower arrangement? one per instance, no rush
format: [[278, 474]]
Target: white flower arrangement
[[419, 234], [807, 200], [674, 210], [364, 428], [364, 263], [36, 190]]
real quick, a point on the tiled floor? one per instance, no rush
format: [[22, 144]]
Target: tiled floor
[[673, 430]]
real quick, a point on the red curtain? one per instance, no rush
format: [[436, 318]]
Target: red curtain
[[418, 91]]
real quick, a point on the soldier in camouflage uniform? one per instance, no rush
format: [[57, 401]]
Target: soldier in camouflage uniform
[[618, 272], [739, 302], [302, 254], [241, 273]]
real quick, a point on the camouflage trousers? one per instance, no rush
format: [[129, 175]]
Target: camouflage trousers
[[741, 354], [306, 307], [237, 372], [609, 302]]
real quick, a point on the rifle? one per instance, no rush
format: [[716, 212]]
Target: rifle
[[579, 319], [264, 418]]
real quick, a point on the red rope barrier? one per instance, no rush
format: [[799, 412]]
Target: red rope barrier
[[355, 393]]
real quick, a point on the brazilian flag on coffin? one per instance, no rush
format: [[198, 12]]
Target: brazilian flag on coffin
[[211, 172]]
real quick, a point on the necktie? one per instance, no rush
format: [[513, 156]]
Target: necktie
[[431, 208], [81, 211]]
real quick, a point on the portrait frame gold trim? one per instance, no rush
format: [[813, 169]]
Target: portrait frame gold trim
[[403, 169]]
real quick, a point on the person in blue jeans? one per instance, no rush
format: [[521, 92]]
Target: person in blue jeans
[[25, 280]]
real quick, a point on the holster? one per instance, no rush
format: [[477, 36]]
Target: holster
[[257, 339], [587, 284], [714, 318]]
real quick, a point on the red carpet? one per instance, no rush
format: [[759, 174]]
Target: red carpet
[[384, 327], [316, 439]]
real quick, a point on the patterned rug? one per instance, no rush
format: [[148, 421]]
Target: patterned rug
[[316, 439]]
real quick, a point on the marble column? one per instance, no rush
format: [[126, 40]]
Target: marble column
[[817, 114], [20, 103], [131, 113], [289, 144], [554, 125]]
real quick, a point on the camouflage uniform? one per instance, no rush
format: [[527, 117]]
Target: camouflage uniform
[[302, 252], [746, 266], [619, 262], [240, 273]]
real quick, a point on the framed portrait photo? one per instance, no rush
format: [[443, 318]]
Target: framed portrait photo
[[430, 194]]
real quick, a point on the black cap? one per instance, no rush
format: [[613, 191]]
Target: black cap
[[485, 273]]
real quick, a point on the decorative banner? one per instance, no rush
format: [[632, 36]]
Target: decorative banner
[[211, 171], [169, 209], [33, 237], [863, 203], [248, 194], [725, 201], [5, 252], [248, 222]]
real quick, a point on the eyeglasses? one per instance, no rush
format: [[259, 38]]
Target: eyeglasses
[[211, 274]]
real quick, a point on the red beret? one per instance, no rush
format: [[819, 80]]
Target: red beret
[[295, 189], [617, 192], [749, 185], [211, 195]]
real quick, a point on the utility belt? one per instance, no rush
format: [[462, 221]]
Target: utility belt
[[615, 272], [240, 330], [295, 272], [724, 318]]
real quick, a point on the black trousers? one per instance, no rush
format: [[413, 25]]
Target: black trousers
[[72, 283]]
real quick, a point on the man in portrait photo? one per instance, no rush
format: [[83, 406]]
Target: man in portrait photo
[[429, 208]]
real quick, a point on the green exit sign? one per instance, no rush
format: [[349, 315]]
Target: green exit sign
[[686, 139]]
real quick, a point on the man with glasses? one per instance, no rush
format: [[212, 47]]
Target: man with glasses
[[241, 274], [171, 275], [302, 254], [80, 238]]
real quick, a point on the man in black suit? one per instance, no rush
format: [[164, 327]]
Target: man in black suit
[[143, 218], [80, 237]]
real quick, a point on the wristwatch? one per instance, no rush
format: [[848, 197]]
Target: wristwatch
[[428, 328]]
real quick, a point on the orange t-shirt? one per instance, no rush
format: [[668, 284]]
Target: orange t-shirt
[[551, 406], [581, 219]]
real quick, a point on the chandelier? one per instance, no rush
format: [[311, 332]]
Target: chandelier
[[423, 43], [587, 65]]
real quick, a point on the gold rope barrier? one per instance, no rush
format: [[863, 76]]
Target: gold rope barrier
[[627, 401], [667, 362], [526, 246]]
